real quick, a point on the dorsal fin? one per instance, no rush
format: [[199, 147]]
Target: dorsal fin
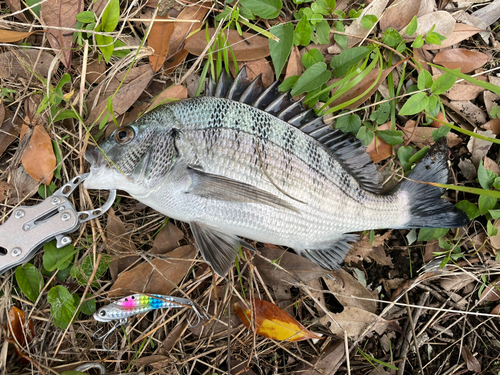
[[344, 147]]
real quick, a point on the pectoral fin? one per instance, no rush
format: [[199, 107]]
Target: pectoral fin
[[217, 248], [226, 189]]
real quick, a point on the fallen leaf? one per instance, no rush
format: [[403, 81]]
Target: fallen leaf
[[172, 92], [298, 267], [346, 288], [10, 36], [23, 186], [375, 8], [119, 265], [283, 297], [22, 332], [294, 66], [378, 149], [422, 57], [426, 6], [168, 239], [399, 14], [20, 62], [159, 40], [431, 247], [272, 322], [197, 12], [442, 22], [495, 240], [95, 71], [488, 14], [127, 95], [465, 90], [496, 310], [61, 13], [153, 360], [493, 126], [246, 48], [9, 130], [465, 60], [455, 282], [219, 324], [460, 32], [328, 359], [469, 19], [256, 68], [471, 361], [4, 188], [316, 290], [173, 337], [355, 321], [167, 272], [119, 239], [479, 148], [491, 165], [15, 8], [470, 112], [39, 159], [363, 250]]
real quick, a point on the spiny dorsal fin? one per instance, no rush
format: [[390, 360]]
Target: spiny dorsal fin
[[344, 147]]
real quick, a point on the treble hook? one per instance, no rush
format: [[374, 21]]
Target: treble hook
[[106, 335], [199, 315]]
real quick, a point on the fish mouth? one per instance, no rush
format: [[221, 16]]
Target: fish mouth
[[95, 158], [98, 178]]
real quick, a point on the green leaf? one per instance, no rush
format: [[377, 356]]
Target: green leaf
[[121, 53], [391, 37], [247, 13], [434, 38], [280, 51], [85, 17], [486, 203], [331, 4], [495, 214], [83, 271], [495, 112], [35, 9], [433, 107], [105, 44], [424, 80], [418, 42], [57, 258], [417, 103], [492, 230], [469, 208], [392, 137], [427, 234], [110, 17], [62, 306], [347, 58], [323, 32], [368, 20], [348, 123], [381, 115], [288, 83], [443, 83], [496, 183], [340, 39], [30, 281], [485, 176], [88, 307], [419, 155], [439, 133], [312, 78], [311, 57], [404, 155], [412, 26], [365, 134], [302, 34], [266, 9], [67, 113]]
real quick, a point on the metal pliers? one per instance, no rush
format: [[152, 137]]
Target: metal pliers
[[29, 228]]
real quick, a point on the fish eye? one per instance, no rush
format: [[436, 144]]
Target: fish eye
[[124, 134], [102, 313]]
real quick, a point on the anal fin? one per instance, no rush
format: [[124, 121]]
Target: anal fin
[[219, 249], [332, 257]]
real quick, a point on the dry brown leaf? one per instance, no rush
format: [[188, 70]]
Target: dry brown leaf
[[399, 14], [496, 310], [455, 282], [119, 265], [362, 250], [375, 8], [495, 240], [491, 292], [346, 288], [159, 40], [168, 239], [431, 247], [182, 29], [294, 66], [95, 71], [23, 186], [9, 130], [460, 32], [153, 360], [488, 14], [378, 149], [10, 36], [426, 6], [471, 361], [464, 59], [39, 159], [443, 22], [493, 125], [464, 90], [329, 358], [422, 57], [21, 331], [126, 96], [246, 48], [479, 148], [470, 112], [15, 7], [119, 238], [491, 165], [173, 337], [161, 279], [316, 292], [172, 92], [299, 267], [256, 68], [4, 188], [20, 62], [355, 321], [61, 13]]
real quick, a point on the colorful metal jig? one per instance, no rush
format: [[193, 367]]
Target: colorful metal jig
[[135, 304]]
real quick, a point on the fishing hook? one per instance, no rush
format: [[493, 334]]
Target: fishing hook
[[106, 335]]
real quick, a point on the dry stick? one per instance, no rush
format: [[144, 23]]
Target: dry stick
[[96, 265], [406, 343]]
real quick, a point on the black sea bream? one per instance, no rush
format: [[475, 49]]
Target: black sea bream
[[249, 162]]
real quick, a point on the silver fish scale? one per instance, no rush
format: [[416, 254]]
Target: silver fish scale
[[222, 136]]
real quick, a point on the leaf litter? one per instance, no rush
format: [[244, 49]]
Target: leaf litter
[[151, 257]]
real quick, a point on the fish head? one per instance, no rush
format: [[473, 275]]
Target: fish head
[[134, 157]]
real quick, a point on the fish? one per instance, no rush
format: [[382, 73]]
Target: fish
[[248, 162]]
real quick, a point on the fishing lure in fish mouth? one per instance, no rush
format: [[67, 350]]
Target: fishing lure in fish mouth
[[246, 161], [135, 304]]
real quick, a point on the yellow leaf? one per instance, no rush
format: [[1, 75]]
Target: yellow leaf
[[9, 36], [272, 322]]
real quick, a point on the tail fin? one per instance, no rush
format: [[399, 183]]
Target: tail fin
[[427, 208]]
